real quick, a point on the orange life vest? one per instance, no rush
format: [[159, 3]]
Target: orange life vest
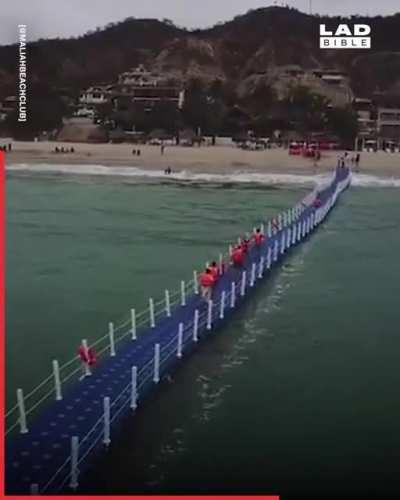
[[238, 256], [207, 279], [258, 238]]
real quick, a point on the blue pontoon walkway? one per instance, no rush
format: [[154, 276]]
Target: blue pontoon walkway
[[49, 453]]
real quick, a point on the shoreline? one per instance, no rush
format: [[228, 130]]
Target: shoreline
[[219, 160]]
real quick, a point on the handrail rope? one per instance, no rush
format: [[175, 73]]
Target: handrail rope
[[187, 327], [176, 293]]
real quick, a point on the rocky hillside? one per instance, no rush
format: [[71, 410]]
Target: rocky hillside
[[256, 43]]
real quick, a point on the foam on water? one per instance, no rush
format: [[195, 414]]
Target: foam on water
[[183, 175], [237, 177], [363, 180]]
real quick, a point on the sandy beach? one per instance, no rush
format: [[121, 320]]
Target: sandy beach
[[217, 159]]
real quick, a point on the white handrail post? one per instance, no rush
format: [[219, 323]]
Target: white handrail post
[[243, 284], [196, 326], [183, 294], [195, 283], [151, 309], [230, 250], [106, 408], [283, 244], [86, 365], [220, 263], [23, 429], [209, 315], [294, 234], [133, 321], [276, 249], [262, 228], [269, 229], [57, 382], [156, 377], [111, 335], [34, 489], [261, 267], [253, 274], [74, 463], [269, 258], [134, 388], [288, 237], [167, 304], [222, 305], [233, 294], [180, 341]]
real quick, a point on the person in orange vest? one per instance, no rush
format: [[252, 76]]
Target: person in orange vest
[[245, 245], [87, 355], [207, 281], [258, 238], [238, 256], [214, 270]]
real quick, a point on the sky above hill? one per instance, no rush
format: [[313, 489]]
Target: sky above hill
[[65, 18]]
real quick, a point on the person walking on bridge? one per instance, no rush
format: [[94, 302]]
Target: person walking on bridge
[[259, 238], [245, 244], [207, 281], [214, 270], [238, 256]]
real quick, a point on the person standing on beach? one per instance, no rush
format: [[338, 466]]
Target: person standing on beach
[[162, 149], [357, 160]]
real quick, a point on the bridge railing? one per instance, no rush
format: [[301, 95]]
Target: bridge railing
[[62, 375], [169, 352], [150, 374]]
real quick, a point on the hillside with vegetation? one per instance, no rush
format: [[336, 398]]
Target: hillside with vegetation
[[235, 73]]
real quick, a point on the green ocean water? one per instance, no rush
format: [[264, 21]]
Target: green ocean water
[[299, 392]]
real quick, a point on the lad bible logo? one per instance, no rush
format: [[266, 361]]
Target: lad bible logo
[[345, 37]]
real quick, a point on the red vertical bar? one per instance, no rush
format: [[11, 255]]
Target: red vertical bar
[[2, 330]]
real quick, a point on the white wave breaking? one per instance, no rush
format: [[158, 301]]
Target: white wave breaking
[[364, 180], [236, 177]]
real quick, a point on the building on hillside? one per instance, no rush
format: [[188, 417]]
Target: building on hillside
[[96, 95], [331, 76], [9, 104], [365, 116], [84, 112], [293, 70], [148, 96], [388, 123], [139, 76]]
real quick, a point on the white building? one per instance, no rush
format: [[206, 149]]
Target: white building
[[139, 76], [95, 95], [388, 122]]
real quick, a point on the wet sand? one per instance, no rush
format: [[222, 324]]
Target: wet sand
[[213, 159]]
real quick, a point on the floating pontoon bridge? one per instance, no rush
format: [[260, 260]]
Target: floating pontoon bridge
[[55, 431]]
